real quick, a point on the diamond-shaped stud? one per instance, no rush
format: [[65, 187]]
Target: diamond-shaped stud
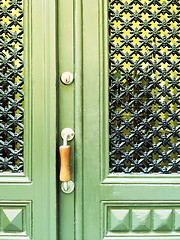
[[163, 220], [119, 220], [141, 220], [12, 220], [177, 220]]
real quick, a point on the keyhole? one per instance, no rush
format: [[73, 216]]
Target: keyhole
[[67, 80]]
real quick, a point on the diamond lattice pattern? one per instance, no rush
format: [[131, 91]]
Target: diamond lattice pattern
[[144, 88], [11, 86]]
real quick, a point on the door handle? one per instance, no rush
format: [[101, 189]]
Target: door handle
[[67, 185]]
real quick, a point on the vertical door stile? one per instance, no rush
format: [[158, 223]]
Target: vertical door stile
[[65, 110], [78, 60]]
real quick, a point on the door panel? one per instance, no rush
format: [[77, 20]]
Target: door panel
[[117, 197], [117, 206], [28, 180]]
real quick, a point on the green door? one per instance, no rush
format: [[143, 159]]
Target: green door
[[124, 108], [27, 120]]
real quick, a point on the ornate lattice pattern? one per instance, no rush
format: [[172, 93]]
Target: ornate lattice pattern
[[11, 86], [144, 88]]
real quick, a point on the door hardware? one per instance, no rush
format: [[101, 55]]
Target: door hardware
[[67, 185], [67, 78]]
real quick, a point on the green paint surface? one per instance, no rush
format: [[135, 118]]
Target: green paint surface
[[103, 206], [28, 200]]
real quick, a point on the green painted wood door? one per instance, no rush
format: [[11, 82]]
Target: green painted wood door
[[98, 41], [27, 120]]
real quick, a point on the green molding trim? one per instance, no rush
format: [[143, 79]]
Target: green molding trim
[[25, 176], [78, 59], [106, 177]]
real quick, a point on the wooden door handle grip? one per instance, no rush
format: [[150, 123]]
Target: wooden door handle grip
[[65, 173]]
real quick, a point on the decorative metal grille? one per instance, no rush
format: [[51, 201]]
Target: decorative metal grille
[[144, 88], [11, 86]]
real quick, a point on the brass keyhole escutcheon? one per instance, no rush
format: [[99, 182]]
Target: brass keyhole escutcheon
[[67, 78]]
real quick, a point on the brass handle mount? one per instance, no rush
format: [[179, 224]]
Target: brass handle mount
[[67, 185]]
